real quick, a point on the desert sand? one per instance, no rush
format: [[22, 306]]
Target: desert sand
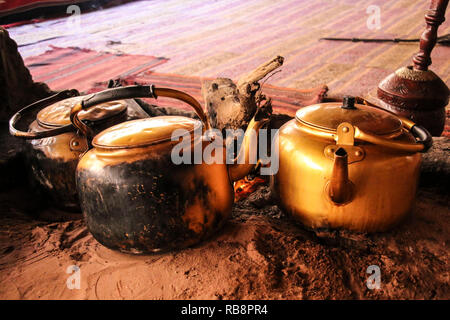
[[259, 254]]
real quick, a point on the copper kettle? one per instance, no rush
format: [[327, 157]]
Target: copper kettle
[[53, 144], [347, 165], [135, 198]]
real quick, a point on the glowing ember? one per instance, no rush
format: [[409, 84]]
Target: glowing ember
[[244, 187]]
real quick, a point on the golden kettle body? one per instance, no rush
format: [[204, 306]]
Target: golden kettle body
[[348, 166]]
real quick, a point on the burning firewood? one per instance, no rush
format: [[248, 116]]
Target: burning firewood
[[232, 105]]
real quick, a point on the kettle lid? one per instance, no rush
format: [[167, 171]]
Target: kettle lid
[[58, 114], [328, 116], [144, 132]]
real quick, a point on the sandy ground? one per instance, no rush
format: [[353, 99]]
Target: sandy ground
[[260, 254]]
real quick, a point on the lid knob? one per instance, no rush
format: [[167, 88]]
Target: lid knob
[[348, 102]]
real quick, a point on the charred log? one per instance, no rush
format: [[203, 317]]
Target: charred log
[[232, 105]]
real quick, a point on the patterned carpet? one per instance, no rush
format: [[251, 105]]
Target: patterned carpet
[[229, 38], [204, 39], [88, 71], [14, 6], [81, 69]]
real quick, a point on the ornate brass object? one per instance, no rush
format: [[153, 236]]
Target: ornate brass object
[[135, 198], [414, 91], [348, 166], [54, 146]]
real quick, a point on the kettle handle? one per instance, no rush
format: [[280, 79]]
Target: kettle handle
[[38, 105], [137, 91], [424, 142]]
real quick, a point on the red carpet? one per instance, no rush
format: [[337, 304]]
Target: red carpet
[[73, 68], [89, 71], [14, 6]]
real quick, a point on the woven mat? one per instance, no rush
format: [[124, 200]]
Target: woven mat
[[75, 68], [89, 71]]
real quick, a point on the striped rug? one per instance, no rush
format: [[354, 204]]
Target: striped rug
[[209, 39], [14, 6], [67, 68], [230, 38], [89, 71]]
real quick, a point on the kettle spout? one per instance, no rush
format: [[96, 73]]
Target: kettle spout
[[340, 188], [243, 164]]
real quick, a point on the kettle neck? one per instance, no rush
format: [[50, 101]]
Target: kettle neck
[[242, 164]]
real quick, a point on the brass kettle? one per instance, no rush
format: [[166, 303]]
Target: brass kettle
[[53, 144], [347, 165], [135, 198]]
